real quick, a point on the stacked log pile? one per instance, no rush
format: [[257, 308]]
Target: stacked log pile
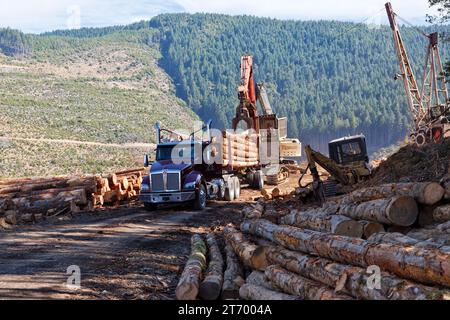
[[112, 189], [30, 200], [239, 150], [266, 261]]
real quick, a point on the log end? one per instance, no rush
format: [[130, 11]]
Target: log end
[[349, 228], [432, 194], [371, 228], [403, 211], [210, 290], [186, 292]]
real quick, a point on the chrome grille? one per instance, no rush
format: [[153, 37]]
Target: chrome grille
[[173, 182], [166, 181], [157, 182]]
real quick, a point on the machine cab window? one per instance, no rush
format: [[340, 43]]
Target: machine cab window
[[347, 150]]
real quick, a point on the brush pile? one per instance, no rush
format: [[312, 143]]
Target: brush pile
[[34, 199]]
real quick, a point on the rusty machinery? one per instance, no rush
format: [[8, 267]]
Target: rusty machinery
[[429, 105]]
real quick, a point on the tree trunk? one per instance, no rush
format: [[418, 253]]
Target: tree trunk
[[250, 254], [258, 278], [442, 214], [212, 284], [46, 202], [189, 283], [233, 276], [370, 228], [400, 211], [299, 286], [398, 238], [349, 279], [422, 265], [254, 212], [427, 193], [252, 292], [88, 183], [11, 217], [335, 224], [445, 182]]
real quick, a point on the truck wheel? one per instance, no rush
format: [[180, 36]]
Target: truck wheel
[[221, 194], [200, 200], [237, 188], [250, 177], [150, 206], [259, 180], [230, 190]]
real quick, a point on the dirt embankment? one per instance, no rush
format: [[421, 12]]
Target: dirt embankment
[[414, 164]]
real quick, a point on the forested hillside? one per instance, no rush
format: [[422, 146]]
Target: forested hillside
[[109, 84], [82, 104], [330, 78]]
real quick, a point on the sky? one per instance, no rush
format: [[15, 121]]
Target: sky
[[35, 16]]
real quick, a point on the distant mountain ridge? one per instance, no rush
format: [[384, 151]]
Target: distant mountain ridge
[[330, 78]]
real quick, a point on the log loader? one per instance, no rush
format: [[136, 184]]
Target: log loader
[[348, 164]]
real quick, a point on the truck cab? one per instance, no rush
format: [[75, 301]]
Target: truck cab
[[178, 175]]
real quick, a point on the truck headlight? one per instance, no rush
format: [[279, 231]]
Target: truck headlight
[[190, 185], [145, 187]]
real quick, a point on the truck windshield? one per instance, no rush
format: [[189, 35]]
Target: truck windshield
[[175, 153]]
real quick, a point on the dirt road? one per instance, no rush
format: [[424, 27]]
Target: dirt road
[[126, 253]]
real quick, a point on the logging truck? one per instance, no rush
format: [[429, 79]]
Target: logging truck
[[201, 167], [212, 164]]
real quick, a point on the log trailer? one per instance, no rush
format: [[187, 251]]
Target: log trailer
[[200, 167], [348, 164], [429, 105]]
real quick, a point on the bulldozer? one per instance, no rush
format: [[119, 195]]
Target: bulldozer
[[348, 164]]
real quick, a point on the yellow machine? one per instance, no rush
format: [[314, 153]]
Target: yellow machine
[[348, 164]]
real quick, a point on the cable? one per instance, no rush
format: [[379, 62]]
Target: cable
[[358, 24], [412, 26]]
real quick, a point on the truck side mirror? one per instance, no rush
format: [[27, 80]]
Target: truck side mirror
[[146, 161]]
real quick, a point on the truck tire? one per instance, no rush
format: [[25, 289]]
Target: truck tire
[[250, 177], [200, 199], [230, 190], [150, 206], [259, 180], [237, 188], [221, 194]]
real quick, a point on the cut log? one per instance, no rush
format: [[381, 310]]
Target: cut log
[[48, 186], [46, 202], [422, 265], [11, 217], [252, 292], [278, 193], [349, 279], [233, 276], [398, 238], [254, 212], [250, 254], [258, 278], [135, 171], [299, 286], [335, 224], [188, 285], [211, 286], [442, 214], [427, 193], [124, 183], [426, 215], [445, 182], [370, 228], [400, 211]]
